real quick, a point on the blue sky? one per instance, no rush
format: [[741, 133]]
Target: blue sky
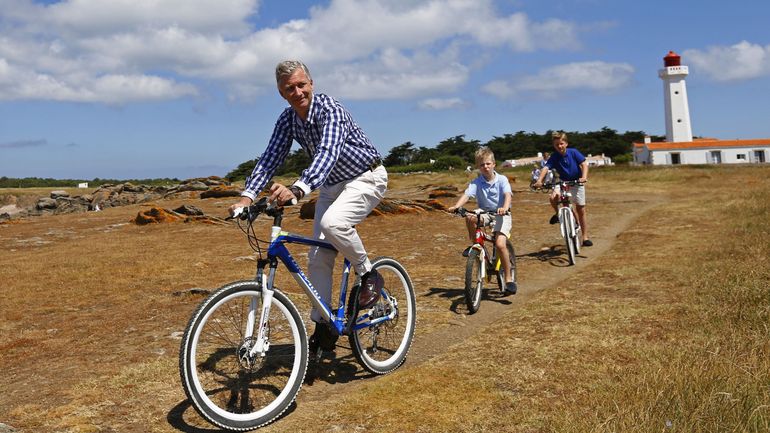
[[185, 88]]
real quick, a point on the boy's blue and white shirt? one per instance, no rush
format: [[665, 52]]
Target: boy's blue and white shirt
[[490, 195], [339, 148]]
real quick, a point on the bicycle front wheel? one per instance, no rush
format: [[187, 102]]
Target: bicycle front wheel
[[577, 237], [569, 239], [382, 346], [474, 283], [227, 385]]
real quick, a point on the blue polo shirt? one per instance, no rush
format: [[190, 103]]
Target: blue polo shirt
[[490, 195], [568, 166]]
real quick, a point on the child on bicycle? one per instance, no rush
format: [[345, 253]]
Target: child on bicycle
[[571, 165], [493, 193]]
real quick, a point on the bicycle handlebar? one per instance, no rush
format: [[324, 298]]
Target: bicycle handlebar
[[252, 211], [462, 211], [563, 182]]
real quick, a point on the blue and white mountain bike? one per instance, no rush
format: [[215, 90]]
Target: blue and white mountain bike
[[244, 353]]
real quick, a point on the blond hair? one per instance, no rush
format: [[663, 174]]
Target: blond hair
[[484, 153], [559, 135]]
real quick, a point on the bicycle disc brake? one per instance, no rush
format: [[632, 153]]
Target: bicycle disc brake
[[247, 361]]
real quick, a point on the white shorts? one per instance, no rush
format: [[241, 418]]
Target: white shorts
[[502, 223], [578, 193]]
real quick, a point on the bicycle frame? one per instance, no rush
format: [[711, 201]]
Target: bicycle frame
[[277, 251], [480, 238]]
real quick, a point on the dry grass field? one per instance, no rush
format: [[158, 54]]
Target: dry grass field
[[662, 326]]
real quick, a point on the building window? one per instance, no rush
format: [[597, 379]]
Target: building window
[[675, 159], [741, 157], [715, 157]]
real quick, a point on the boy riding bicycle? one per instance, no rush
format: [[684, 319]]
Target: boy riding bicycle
[[493, 193], [571, 165]]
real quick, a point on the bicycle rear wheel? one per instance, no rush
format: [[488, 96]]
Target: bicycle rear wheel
[[474, 283], [382, 346], [226, 385], [501, 271]]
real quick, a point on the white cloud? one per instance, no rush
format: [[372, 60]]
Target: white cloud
[[392, 75], [553, 82], [21, 144], [89, 17], [95, 50], [17, 84], [442, 103], [742, 61], [499, 88]]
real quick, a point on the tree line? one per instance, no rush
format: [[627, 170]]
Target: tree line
[[458, 152], [39, 182]]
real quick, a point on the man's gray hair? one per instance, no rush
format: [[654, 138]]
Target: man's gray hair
[[287, 67]]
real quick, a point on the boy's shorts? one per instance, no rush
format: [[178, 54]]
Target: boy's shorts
[[501, 224], [578, 194]]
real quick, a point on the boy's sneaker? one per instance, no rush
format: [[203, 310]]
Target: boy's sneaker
[[554, 219], [323, 337], [510, 288], [588, 243], [371, 285]]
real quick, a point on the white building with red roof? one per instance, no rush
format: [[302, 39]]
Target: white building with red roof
[[680, 147], [703, 151]]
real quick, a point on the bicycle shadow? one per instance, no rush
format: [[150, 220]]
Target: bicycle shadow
[[457, 296], [176, 418], [555, 255], [339, 366]]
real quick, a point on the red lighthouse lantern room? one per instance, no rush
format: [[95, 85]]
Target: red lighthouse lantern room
[[672, 59]]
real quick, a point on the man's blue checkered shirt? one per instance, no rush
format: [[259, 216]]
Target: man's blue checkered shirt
[[338, 147]]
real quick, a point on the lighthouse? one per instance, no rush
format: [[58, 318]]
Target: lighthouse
[[678, 128]]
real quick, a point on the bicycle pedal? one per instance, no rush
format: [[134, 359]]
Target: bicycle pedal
[[317, 355]]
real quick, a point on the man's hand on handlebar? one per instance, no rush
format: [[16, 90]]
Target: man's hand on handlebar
[[282, 195], [242, 203]]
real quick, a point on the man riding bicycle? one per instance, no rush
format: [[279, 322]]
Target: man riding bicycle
[[571, 165], [347, 169]]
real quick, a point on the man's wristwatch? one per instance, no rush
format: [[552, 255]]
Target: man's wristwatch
[[297, 191]]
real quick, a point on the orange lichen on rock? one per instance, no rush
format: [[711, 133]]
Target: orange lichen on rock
[[441, 193], [156, 215]]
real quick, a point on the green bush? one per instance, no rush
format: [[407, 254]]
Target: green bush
[[449, 161]]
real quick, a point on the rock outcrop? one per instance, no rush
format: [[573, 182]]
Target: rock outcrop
[[60, 202], [185, 213]]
